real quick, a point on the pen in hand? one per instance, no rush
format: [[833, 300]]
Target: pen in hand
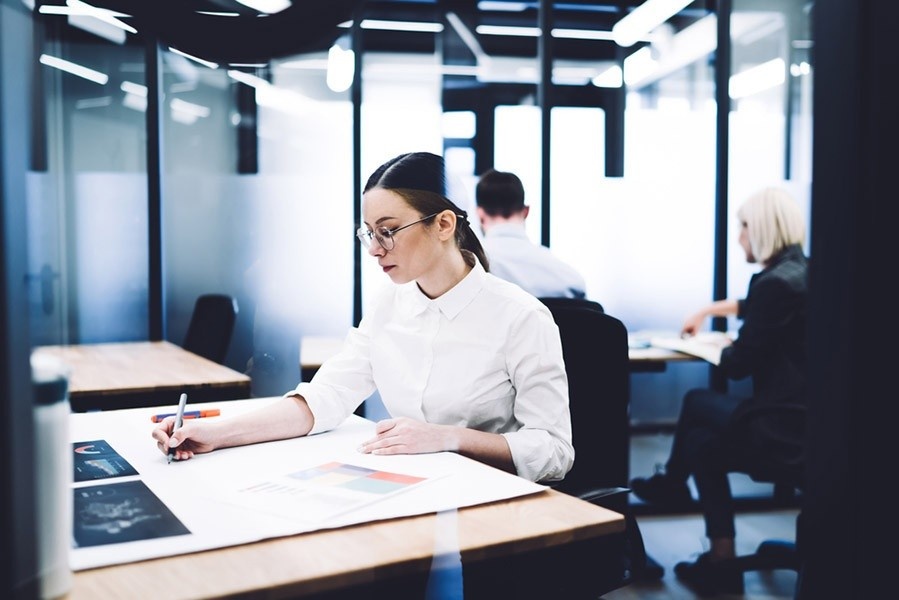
[[179, 420]]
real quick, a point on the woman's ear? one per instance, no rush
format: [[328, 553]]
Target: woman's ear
[[446, 225]]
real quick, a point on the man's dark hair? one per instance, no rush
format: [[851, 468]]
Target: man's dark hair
[[499, 193]]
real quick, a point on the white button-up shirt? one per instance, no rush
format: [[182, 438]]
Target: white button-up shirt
[[485, 355], [514, 257]]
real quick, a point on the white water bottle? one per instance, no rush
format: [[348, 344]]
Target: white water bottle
[[53, 476]]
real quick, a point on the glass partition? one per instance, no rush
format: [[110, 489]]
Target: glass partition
[[770, 117], [87, 189], [263, 214]]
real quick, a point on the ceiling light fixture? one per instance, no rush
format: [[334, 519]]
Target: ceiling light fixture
[[74, 69], [196, 59], [418, 26], [269, 7], [341, 66], [757, 79], [508, 30], [638, 23]]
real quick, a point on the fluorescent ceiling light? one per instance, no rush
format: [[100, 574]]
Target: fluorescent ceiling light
[[582, 34], [757, 79], [189, 108], [247, 79], [639, 22], [559, 32], [205, 63], [613, 77], [341, 68], [74, 69], [401, 26], [56, 9], [213, 13], [269, 7], [503, 6], [505, 30], [129, 87], [100, 102], [686, 47]]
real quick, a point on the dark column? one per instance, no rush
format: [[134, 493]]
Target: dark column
[[722, 100], [545, 99], [18, 570], [849, 502], [247, 130], [155, 169], [614, 108], [356, 93]]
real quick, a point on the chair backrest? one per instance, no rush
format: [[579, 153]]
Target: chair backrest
[[594, 346], [569, 302], [788, 469], [211, 326]]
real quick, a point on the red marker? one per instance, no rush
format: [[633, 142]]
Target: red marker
[[189, 414]]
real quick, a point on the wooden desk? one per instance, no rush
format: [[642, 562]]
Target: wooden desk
[[373, 554], [134, 374], [316, 562]]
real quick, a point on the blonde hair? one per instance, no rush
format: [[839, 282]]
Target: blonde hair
[[774, 221]]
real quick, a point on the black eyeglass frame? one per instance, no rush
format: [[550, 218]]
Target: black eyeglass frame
[[384, 235]]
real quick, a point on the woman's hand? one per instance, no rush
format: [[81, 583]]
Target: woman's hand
[[693, 324], [408, 436], [192, 438]]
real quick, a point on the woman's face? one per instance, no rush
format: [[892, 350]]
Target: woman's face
[[416, 248], [744, 242]]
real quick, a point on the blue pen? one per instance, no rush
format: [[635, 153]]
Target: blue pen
[[179, 419]]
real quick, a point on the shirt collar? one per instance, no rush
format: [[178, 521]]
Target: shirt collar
[[516, 230], [452, 302]]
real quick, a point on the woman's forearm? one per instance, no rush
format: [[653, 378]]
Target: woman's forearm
[[289, 417]]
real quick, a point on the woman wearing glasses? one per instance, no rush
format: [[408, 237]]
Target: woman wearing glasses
[[463, 361]]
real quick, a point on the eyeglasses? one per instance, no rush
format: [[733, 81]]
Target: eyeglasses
[[384, 235]]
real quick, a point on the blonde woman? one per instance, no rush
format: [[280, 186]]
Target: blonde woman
[[710, 438]]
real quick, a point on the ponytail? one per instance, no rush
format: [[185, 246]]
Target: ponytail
[[468, 242]]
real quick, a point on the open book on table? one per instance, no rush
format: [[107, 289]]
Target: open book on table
[[707, 345]]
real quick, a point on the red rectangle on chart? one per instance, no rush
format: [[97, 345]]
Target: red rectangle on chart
[[396, 477]]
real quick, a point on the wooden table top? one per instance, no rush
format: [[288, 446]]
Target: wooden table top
[[139, 367], [325, 560]]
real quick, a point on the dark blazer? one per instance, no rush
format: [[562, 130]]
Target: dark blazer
[[771, 348]]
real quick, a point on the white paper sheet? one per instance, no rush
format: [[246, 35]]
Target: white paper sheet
[[194, 490], [706, 345]]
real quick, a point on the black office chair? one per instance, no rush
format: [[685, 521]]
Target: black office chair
[[211, 326], [787, 478], [595, 349], [570, 302]]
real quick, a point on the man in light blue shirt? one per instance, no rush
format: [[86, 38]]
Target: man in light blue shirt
[[512, 255]]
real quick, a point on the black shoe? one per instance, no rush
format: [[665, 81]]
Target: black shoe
[[708, 578], [661, 489]]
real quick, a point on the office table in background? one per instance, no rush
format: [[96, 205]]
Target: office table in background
[[315, 350], [136, 374], [326, 560]]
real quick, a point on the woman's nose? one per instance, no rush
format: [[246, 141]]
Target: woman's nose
[[376, 249]]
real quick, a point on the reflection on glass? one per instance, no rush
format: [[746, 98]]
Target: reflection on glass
[[87, 198], [258, 206]]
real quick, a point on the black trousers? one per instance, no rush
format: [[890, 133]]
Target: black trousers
[[706, 447]]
